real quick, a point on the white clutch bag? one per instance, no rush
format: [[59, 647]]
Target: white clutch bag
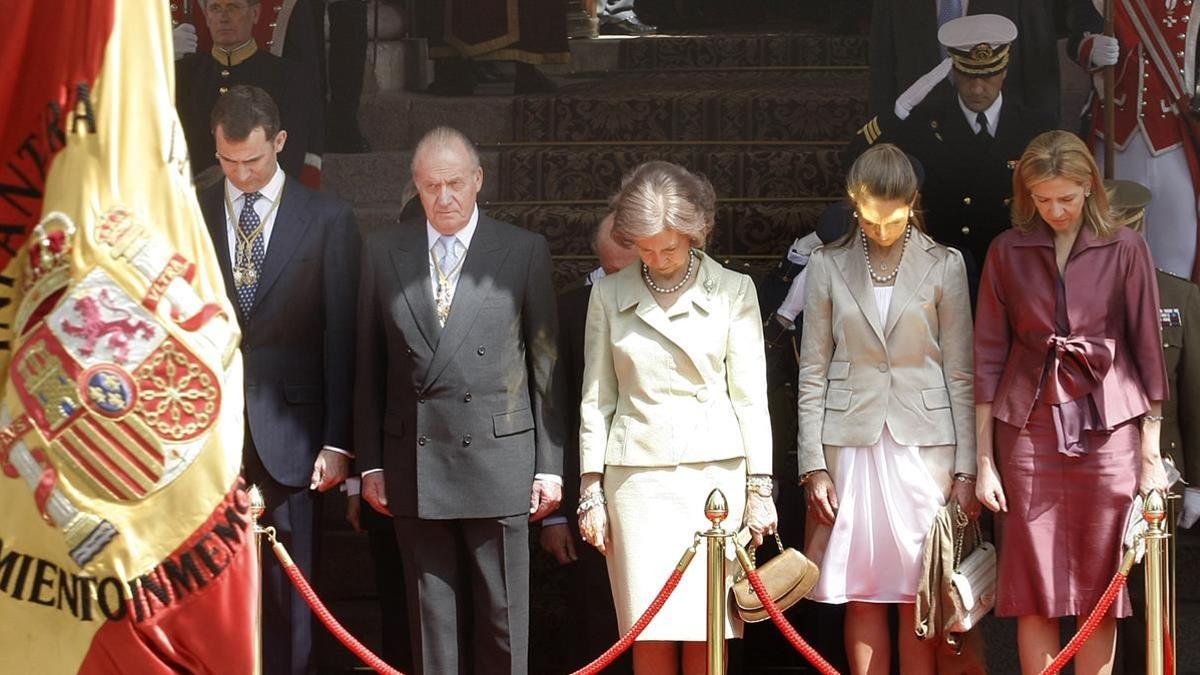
[[973, 585]]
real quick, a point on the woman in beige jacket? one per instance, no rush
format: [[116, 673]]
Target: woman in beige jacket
[[886, 409], [674, 405]]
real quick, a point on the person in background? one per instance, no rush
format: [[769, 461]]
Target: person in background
[[588, 597], [1154, 66], [1069, 384], [1179, 317], [674, 404], [619, 17], [967, 143], [905, 45], [236, 59], [462, 33], [886, 419]]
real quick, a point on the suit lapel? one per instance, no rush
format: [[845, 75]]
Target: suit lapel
[[484, 259], [212, 205], [914, 268], [411, 260], [633, 292], [853, 267], [292, 220]]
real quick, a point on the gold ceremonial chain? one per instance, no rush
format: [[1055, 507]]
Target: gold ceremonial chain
[[442, 301], [245, 274]]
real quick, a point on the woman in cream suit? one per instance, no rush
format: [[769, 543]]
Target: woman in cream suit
[[674, 405], [886, 410]]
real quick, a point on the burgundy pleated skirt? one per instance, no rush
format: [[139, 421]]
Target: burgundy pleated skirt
[[1060, 542]]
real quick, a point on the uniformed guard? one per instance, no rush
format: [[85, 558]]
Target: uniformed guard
[[968, 144], [1179, 313], [236, 58]]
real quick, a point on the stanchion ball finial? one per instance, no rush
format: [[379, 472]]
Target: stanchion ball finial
[[258, 506], [1154, 510], [716, 509]]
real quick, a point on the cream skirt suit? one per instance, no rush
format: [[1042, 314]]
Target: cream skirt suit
[[674, 405]]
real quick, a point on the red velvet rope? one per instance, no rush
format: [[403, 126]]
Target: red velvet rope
[[1089, 626], [786, 628], [322, 612], [627, 639]]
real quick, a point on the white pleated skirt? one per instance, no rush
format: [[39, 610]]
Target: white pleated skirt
[[654, 513], [887, 502]]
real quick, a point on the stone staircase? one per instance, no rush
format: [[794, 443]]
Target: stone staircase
[[763, 114]]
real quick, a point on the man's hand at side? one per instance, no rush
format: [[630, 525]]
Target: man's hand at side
[[373, 492], [544, 499]]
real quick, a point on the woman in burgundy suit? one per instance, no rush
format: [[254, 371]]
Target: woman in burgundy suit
[[1069, 377]]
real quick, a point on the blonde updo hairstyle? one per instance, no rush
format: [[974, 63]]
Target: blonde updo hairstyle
[[883, 173], [661, 196], [1060, 154]]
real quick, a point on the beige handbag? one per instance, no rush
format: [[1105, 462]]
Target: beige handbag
[[972, 587], [787, 577]]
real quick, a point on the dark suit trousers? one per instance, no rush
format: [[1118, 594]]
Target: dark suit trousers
[[468, 593], [286, 618]]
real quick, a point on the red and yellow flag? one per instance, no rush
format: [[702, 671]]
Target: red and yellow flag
[[126, 542]]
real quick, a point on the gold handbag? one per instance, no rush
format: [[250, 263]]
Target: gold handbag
[[787, 577]]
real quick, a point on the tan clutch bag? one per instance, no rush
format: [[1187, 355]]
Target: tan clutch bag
[[788, 577]]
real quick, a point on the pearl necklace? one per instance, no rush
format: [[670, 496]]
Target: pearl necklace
[[674, 289], [867, 254]]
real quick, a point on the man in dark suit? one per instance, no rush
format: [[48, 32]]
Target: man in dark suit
[[236, 58], [967, 142], [455, 412], [289, 257], [589, 595], [904, 46]]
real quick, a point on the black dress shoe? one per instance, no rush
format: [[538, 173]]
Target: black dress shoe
[[630, 26]]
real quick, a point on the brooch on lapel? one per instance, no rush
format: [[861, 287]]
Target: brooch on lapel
[[708, 286]]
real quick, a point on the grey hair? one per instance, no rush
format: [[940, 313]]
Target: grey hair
[[661, 196], [439, 137]]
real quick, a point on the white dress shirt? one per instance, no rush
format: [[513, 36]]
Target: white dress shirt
[[992, 114], [267, 208]]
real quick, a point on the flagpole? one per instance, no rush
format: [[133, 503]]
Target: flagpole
[[258, 507], [1109, 112]]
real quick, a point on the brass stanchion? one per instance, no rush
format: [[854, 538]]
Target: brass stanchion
[[1155, 512], [716, 509], [258, 506]]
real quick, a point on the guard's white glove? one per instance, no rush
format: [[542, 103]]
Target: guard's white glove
[[1105, 51], [760, 516], [1191, 507], [184, 37], [918, 90]]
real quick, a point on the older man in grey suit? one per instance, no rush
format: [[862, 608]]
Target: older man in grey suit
[[454, 412]]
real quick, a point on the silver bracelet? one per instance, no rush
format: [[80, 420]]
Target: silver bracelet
[[1152, 418], [760, 484], [590, 502]]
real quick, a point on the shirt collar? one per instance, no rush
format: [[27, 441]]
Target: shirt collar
[[464, 235], [269, 192], [596, 275], [235, 56], [992, 114]]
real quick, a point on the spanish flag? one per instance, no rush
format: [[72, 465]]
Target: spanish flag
[[126, 542]]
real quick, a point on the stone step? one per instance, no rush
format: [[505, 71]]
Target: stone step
[[754, 50], [591, 172], [385, 179], [396, 120], [698, 106]]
